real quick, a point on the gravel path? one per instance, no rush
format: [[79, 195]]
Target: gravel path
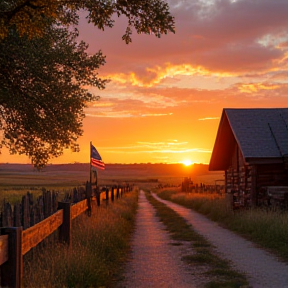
[[154, 262], [262, 269]]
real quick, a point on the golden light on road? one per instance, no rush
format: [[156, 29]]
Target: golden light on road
[[187, 162]]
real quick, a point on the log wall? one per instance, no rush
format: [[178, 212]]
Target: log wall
[[250, 178]]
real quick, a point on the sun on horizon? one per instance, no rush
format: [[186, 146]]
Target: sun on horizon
[[187, 162]]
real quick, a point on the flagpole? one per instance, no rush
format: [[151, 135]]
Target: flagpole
[[90, 164]]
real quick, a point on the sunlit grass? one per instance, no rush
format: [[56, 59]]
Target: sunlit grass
[[99, 247]]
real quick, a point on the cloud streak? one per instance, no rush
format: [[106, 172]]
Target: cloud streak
[[209, 118], [225, 54], [155, 147]]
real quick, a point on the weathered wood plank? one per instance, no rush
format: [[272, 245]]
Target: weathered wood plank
[[11, 270], [65, 231], [25, 211], [34, 235], [3, 249], [17, 215], [7, 215], [78, 208]]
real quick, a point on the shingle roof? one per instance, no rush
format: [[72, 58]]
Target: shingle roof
[[259, 133]]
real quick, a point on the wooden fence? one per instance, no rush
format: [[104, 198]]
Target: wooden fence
[[25, 225]]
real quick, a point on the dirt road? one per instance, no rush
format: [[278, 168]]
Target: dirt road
[[156, 263], [262, 268]]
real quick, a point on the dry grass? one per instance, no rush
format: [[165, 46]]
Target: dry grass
[[99, 247]]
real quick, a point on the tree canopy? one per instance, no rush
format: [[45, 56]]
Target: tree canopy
[[45, 72], [30, 16], [42, 92]]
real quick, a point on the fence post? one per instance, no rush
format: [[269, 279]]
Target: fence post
[[11, 270], [112, 194], [98, 194], [7, 215], [88, 197], [25, 212], [65, 228]]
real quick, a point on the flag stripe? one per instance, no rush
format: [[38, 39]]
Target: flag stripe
[[96, 160], [97, 164]]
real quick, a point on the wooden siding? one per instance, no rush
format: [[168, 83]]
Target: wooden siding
[[242, 177]]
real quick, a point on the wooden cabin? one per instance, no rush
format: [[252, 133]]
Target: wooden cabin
[[251, 146]]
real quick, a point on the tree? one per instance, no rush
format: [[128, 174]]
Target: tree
[[30, 16], [42, 92], [44, 73]]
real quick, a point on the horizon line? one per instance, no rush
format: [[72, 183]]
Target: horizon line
[[87, 163]]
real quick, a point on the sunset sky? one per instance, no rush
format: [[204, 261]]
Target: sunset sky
[[166, 95]]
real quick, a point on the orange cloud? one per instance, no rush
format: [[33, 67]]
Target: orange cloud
[[255, 87], [154, 75]]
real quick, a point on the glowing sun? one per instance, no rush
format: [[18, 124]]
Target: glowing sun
[[187, 162]]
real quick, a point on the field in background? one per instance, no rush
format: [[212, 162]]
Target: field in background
[[75, 174], [17, 179]]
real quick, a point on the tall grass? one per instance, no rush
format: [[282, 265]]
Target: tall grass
[[99, 247], [264, 227]]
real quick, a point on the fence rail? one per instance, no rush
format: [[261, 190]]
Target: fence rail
[[35, 234], [16, 242]]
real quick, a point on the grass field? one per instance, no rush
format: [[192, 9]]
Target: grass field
[[267, 229], [100, 242], [16, 180]]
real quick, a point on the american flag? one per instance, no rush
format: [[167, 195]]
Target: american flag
[[96, 160]]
